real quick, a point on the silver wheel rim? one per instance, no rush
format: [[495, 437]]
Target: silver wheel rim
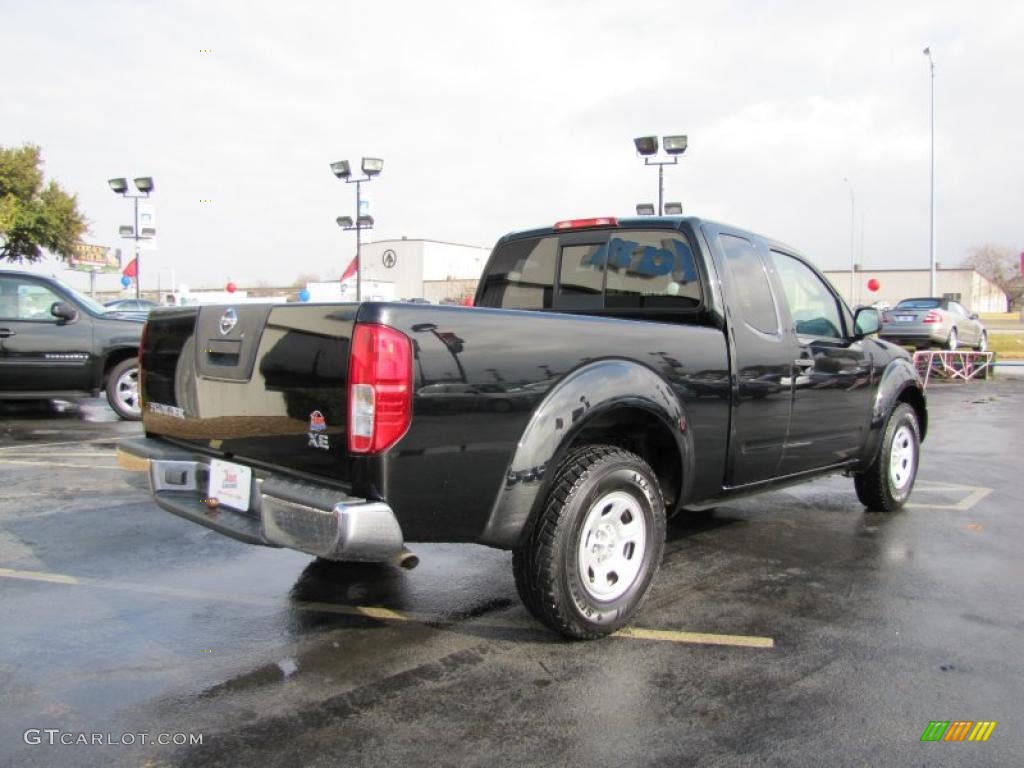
[[126, 390], [611, 546], [954, 342], [983, 344], [901, 458]]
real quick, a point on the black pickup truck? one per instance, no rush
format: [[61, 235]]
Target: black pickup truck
[[612, 374], [55, 342]]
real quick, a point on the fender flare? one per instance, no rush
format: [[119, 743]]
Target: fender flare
[[899, 376], [588, 392]]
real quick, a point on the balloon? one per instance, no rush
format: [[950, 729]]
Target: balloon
[[231, 287], [126, 281], [303, 295], [873, 285]]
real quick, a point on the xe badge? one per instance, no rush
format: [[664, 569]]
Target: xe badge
[[317, 437]]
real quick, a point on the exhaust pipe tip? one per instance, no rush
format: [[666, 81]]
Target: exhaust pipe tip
[[406, 559]]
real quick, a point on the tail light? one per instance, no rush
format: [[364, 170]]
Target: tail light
[[932, 317], [379, 388]]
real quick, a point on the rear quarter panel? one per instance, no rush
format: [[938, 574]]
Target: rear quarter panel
[[444, 476]]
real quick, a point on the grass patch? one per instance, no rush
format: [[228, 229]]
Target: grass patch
[[1007, 346]]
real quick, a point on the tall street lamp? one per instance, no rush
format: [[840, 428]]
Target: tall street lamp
[[931, 259], [647, 147], [145, 185], [372, 166], [853, 262]]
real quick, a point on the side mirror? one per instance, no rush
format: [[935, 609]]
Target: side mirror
[[63, 311], [973, 316], [865, 322]]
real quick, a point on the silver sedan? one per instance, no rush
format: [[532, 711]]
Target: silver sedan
[[929, 322]]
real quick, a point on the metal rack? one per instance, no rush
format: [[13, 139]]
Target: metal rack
[[952, 364]]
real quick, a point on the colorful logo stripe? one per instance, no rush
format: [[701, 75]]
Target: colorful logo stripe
[[958, 730]]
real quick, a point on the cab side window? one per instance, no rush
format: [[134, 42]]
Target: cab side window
[[812, 305], [522, 275]]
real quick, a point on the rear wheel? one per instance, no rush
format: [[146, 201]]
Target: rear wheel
[[123, 389], [886, 485], [953, 342], [589, 559]]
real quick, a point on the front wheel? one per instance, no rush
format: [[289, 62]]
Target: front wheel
[[983, 342], [123, 389], [886, 485], [591, 556]]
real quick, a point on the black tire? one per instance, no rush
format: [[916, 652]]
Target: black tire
[[876, 488], [953, 342], [983, 342], [122, 388], [547, 570]]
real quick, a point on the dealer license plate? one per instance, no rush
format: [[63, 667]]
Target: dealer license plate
[[905, 318], [230, 484]]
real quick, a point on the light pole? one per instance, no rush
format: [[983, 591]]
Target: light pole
[[145, 185], [853, 261], [647, 147], [372, 166], [931, 250]]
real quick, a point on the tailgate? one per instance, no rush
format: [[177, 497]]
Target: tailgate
[[261, 383]]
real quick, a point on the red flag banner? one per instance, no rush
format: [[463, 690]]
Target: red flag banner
[[350, 271], [132, 270]]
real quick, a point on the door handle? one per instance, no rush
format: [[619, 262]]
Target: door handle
[[804, 362], [6, 333]]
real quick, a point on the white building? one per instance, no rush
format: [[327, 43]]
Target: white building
[[966, 286], [421, 269]]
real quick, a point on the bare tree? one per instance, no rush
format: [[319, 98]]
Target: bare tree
[[1001, 266]]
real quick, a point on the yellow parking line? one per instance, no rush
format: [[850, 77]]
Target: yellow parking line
[[700, 638], [373, 612], [64, 454], [977, 493], [14, 462], [34, 446]]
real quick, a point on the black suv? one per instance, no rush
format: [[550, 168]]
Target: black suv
[[55, 342]]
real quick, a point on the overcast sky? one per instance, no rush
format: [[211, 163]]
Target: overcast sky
[[497, 116]]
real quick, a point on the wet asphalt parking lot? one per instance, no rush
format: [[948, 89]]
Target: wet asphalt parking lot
[[789, 629]]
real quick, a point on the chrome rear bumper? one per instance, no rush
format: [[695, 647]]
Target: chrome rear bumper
[[315, 519]]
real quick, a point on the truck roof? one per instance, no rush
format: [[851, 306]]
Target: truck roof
[[648, 222]]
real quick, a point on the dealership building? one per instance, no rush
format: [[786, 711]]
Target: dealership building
[[411, 269], [964, 285]]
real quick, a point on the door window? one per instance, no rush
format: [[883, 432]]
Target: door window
[[812, 305], [750, 283], [23, 300]]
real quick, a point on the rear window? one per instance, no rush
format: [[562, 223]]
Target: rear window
[[630, 270], [919, 304]]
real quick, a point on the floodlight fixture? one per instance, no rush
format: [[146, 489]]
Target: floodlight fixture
[[646, 145], [372, 165], [645, 209], [364, 221], [126, 230], [144, 184], [674, 145], [120, 186], [341, 169], [344, 221], [147, 232], [673, 209]]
